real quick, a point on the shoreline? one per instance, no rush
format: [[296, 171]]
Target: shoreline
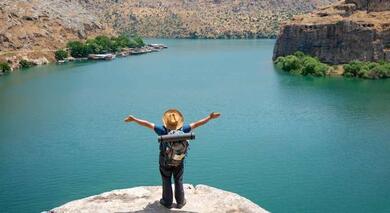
[[125, 52], [300, 63], [38, 58]]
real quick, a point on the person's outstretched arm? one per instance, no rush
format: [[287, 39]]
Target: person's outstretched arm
[[144, 123], [203, 121]]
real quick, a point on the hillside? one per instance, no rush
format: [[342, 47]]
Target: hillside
[[202, 18], [41, 24], [348, 30], [33, 29]]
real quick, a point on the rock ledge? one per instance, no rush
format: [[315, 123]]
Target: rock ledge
[[200, 198]]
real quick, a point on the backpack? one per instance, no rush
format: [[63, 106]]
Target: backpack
[[174, 152]]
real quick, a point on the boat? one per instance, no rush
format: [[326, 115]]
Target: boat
[[107, 56], [158, 46]]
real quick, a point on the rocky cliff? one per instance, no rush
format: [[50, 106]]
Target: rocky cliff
[[34, 28], [45, 24], [370, 5], [146, 199], [348, 30]]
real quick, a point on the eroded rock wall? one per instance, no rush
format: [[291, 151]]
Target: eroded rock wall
[[333, 43], [337, 35], [371, 5]]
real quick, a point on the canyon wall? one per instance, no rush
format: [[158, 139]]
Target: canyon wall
[[338, 34]]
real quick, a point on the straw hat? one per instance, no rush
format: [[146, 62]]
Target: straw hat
[[173, 119]]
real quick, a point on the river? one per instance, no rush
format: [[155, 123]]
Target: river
[[289, 143]]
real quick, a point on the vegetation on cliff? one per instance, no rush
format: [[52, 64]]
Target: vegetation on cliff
[[4, 67], [338, 34], [300, 63], [369, 70], [103, 44], [25, 63], [61, 54]]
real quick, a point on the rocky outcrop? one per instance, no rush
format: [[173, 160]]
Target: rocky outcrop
[[339, 34], [28, 26], [201, 198], [370, 5]]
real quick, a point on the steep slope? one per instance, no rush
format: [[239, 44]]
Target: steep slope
[[349, 30], [35, 28], [39, 25], [202, 18]]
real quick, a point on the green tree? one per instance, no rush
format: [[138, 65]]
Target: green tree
[[291, 63], [4, 67], [77, 49], [138, 40], [61, 54], [121, 41], [105, 43], [302, 64], [25, 64], [132, 44]]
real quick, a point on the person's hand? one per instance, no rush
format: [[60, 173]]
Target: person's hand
[[129, 118], [214, 115]]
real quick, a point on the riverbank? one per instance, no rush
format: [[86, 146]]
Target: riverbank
[[200, 198], [21, 59], [149, 48], [302, 64]]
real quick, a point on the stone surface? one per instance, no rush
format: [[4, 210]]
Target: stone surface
[[371, 5], [201, 198], [338, 34]]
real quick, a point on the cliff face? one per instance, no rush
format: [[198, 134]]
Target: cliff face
[[36, 28], [340, 33], [370, 5], [146, 199]]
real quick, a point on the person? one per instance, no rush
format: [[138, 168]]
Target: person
[[172, 120]]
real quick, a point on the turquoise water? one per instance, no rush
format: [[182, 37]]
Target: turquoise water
[[288, 143]]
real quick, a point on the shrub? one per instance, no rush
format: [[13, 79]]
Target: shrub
[[132, 44], [299, 54], [103, 44], [78, 49], [291, 63], [302, 64], [320, 69], [92, 47], [4, 67], [25, 64], [309, 65], [121, 41], [138, 40], [60, 54], [370, 70]]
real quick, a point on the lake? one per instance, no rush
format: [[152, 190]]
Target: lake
[[288, 143]]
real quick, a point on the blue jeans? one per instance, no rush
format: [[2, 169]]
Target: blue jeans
[[166, 174]]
